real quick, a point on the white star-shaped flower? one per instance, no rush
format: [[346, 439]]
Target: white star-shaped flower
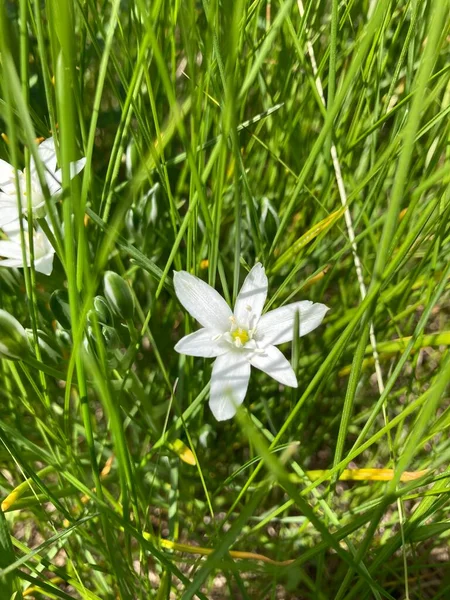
[[241, 338], [9, 210], [11, 249]]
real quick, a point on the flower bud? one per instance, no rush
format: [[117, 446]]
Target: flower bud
[[132, 222], [49, 350], [148, 204], [118, 295], [100, 313], [104, 314], [111, 338], [59, 305], [64, 340], [13, 337], [131, 159]]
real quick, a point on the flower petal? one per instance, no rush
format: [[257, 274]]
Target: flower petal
[[202, 301], [7, 177], [12, 229], [7, 174], [251, 298], [76, 167], [47, 154], [275, 364], [9, 211], [277, 326], [203, 343], [53, 180], [10, 249], [11, 263], [229, 383], [45, 263]]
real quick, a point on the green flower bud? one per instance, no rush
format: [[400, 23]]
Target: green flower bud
[[49, 350], [111, 338], [86, 342], [118, 295], [131, 159], [13, 337], [59, 305], [104, 314], [64, 340]]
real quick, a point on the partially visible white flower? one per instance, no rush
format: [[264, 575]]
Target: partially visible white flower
[[242, 338], [9, 209], [11, 249]]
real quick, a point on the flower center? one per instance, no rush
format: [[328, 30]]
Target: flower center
[[240, 337]]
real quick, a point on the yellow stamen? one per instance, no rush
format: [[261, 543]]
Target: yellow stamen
[[241, 335]]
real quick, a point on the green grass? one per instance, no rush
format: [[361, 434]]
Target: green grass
[[209, 148]]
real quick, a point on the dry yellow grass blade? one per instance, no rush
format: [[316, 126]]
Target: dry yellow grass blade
[[346, 475], [169, 545], [393, 346], [18, 491], [22, 488], [35, 589], [183, 452], [306, 238], [369, 475]]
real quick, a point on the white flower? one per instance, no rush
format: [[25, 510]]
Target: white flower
[[9, 210], [242, 338], [11, 249]]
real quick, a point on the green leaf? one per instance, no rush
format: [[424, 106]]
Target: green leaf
[[7, 558]]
